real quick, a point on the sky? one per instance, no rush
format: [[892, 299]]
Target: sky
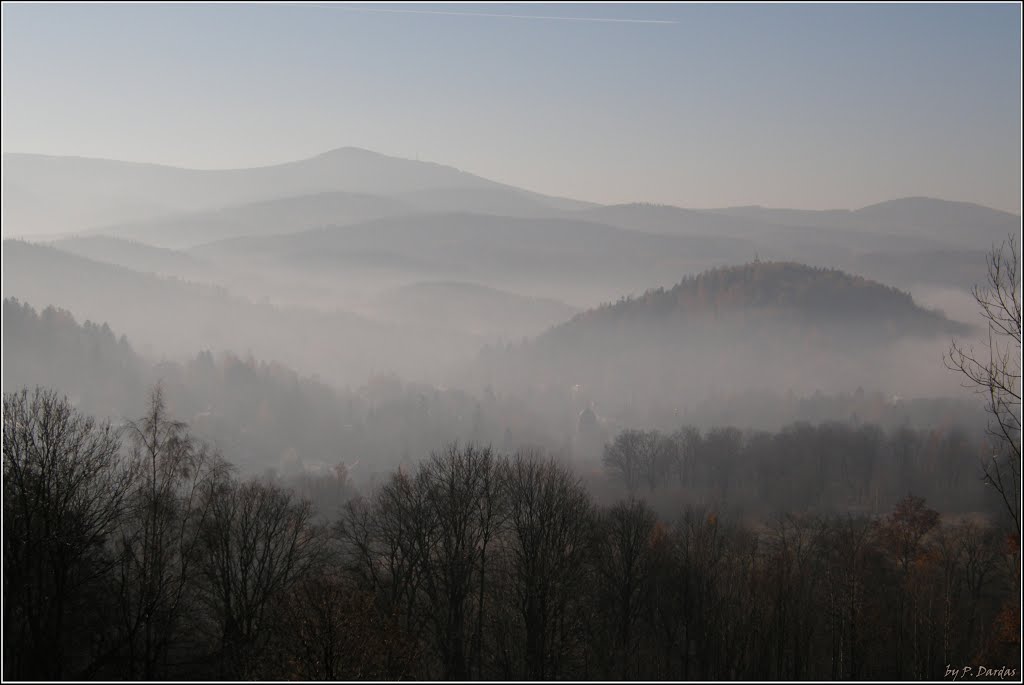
[[697, 105]]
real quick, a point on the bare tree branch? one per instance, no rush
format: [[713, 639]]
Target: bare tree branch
[[998, 376]]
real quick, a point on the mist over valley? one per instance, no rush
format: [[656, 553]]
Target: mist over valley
[[504, 343]]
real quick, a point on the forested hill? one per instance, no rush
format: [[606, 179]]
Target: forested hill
[[259, 414], [784, 291], [761, 326]]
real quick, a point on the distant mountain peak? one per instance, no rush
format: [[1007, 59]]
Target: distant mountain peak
[[349, 151], [923, 202]]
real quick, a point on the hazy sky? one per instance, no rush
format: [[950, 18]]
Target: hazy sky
[[699, 105]]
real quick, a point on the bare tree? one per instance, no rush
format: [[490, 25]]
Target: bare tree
[[686, 442], [789, 551], [702, 542], [462, 492], [995, 371], [65, 487], [549, 521], [657, 456], [634, 455], [622, 558], [257, 542], [847, 551], [384, 545], [902, 534], [159, 538], [422, 544]]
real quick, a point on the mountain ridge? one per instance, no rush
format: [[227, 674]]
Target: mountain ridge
[[96, 192], [348, 151]]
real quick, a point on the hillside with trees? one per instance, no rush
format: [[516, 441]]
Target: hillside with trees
[[764, 326], [795, 293]]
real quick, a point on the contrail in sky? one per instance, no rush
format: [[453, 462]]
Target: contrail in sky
[[611, 20]]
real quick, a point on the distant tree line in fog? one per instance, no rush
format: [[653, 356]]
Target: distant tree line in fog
[[138, 553], [831, 466]]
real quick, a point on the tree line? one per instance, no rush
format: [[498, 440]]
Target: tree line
[[828, 467], [138, 553]]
